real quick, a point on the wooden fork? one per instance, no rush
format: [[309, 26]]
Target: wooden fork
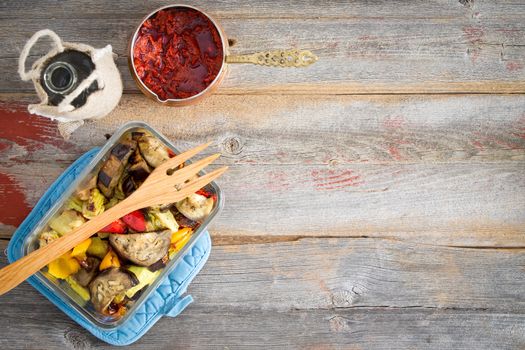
[[164, 185]]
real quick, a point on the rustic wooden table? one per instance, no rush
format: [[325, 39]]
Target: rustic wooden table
[[376, 199]]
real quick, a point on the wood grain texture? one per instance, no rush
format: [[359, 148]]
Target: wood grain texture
[[321, 293], [402, 48], [446, 170], [374, 199], [329, 130]]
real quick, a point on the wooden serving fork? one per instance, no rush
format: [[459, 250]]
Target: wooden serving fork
[[164, 185]]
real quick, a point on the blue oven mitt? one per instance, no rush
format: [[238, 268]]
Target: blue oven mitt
[[166, 300]]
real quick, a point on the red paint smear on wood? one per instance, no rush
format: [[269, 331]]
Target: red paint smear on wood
[[473, 34], [474, 37], [394, 152], [394, 122], [278, 181], [474, 55], [13, 208], [27, 130], [513, 66], [332, 45], [334, 179], [508, 144], [478, 145]]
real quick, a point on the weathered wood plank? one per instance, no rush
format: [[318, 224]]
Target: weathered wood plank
[[196, 328], [327, 273], [268, 9], [447, 170], [299, 129], [448, 47], [361, 272], [337, 293], [454, 204]]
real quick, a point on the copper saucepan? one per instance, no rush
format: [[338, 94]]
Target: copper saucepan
[[276, 58]]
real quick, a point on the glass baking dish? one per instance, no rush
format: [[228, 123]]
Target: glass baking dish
[[61, 288]]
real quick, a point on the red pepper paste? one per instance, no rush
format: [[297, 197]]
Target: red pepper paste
[[178, 53]]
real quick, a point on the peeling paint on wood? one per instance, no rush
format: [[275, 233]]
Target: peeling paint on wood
[[13, 206], [23, 133]]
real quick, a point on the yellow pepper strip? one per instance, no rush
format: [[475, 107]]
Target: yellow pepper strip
[[110, 260], [178, 240], [182, 242], [80, 250], [63, 267], [177, 236]]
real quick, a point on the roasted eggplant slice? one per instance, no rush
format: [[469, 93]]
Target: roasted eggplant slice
[[159, 264], [88, 271], [143, 249], [153, 150], [126, 185], [139, 169], [195, 207], [108, 284], [109, 175], [182, 220]]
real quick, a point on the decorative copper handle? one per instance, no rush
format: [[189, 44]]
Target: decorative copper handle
[[277, 58]]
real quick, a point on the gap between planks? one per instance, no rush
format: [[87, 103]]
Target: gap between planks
[[223, 240]]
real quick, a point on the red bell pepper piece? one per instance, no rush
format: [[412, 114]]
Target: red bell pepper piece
[[207, 194], [171, 154], [135, 220], [117, 226]]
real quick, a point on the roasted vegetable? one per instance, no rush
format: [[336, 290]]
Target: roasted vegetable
[[75, 203], [80, 290], [179, 240], [88, 270], [182, 220], [83, 190], [160, 264], [139, 169], [153, 150], [117, 226], [118, 193], [94, 205], [195, 206], [120, 297], [98, 247], [180, 234], [108, 284], [162, 220], [136, 135], [63, 266], [80, 250], [109, 175], [146, 238], [112, 202], [110, 260], [103, 235], [144, 277], [47, 237], [66, 222], [126, 186], [142, 249], [182, 242], [135, 220]]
